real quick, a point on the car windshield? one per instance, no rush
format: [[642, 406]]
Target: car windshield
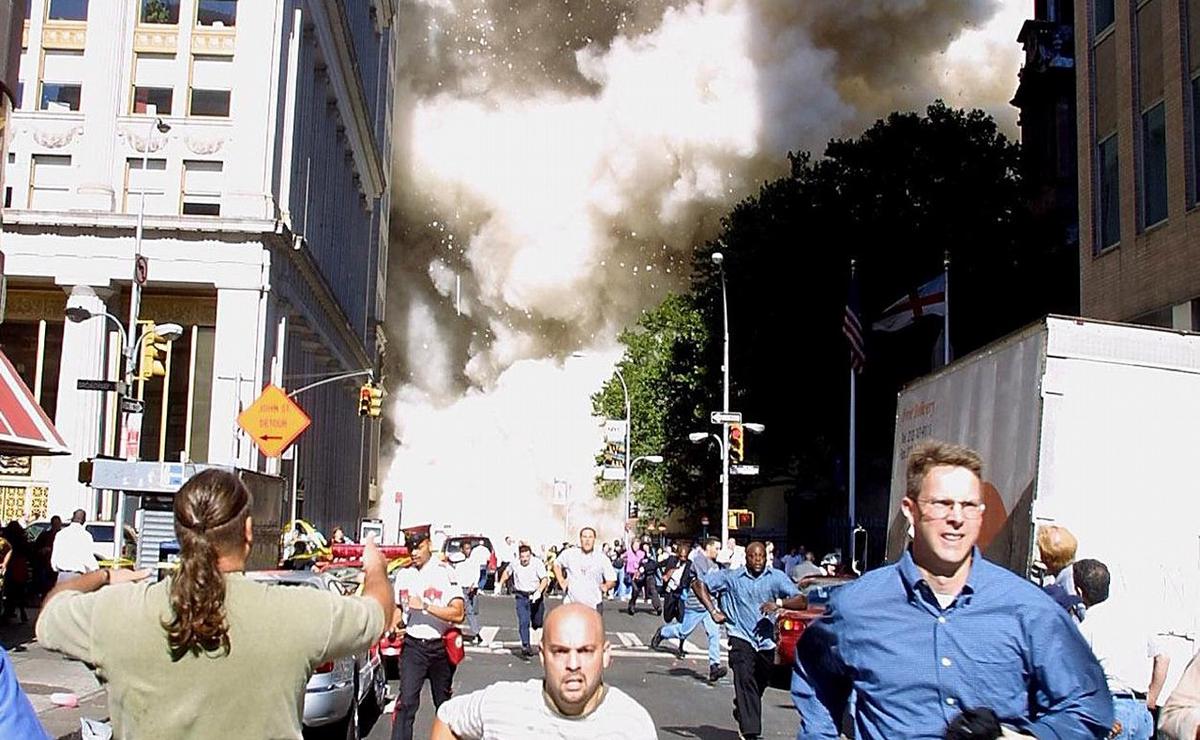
[[100, 532], [454, 544]]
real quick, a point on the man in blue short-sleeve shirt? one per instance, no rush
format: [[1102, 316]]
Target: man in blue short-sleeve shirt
[[750, 595], [944, 630]]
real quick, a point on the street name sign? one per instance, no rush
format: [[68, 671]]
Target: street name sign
[[726, 417], [273, 421], [86, 384]]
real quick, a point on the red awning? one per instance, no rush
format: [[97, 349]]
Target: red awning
[[24, 427]]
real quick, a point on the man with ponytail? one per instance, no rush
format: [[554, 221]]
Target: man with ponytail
[[209, 652]]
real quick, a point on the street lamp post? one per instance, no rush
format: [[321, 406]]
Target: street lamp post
[[719, 260], [628, 454], [135, 287]]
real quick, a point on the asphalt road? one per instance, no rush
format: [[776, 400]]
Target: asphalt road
[[675, 692]]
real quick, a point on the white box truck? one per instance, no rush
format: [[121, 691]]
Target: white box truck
[[1091, 425]]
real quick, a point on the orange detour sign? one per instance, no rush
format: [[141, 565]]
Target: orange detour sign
[[273, 421]]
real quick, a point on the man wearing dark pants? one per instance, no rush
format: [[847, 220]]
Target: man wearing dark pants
[[750, 594], [529, 580], [429, 604]]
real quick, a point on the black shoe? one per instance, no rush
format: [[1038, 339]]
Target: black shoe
[[716, 671], [657, 639]]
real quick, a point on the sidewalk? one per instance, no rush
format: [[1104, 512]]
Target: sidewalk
[[42, 673]]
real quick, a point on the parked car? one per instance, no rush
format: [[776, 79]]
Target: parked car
[[338, 689], [454, 544], [791, 623]]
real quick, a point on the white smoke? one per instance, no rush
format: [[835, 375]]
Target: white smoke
[[560, 164]]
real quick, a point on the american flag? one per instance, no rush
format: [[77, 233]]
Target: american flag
[[852, 326]]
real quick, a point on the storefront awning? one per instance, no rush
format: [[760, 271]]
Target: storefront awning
[[24, 427]]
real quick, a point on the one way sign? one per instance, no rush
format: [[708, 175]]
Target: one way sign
[[274, 421]]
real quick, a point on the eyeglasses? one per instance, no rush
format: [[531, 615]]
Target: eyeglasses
[[941, 508]]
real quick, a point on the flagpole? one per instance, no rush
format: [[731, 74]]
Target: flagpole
[[946, 315], [853, 448]]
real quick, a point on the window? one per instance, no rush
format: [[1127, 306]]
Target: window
[[210, 103], [1108, 206], [1104, 14], [151, 181], [59, 96], [61, 72], [160, 11], [212, 79], [1154, 166], [68, 10], [49, 181], [201, 188], [216, 13], [160, 97]]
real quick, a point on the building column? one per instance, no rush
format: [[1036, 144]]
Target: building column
[[79, 416], [101, 104], [237, 375]]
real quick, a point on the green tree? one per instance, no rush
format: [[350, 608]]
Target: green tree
[[664, 369], [909, 189]]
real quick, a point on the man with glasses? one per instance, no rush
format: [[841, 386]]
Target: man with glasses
[[943, 631]]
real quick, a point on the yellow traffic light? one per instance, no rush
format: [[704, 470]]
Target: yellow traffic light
[[375, 408], [364, 399], [153, 353]]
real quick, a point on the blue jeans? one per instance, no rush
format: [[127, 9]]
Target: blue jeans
[[624, 585], [1135, 719], [527, 614], [691, 620], [472, 614]]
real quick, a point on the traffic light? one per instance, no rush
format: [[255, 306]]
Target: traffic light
[[375, 408], [737, 444], [741, 519], [154, 352], [364, 399]]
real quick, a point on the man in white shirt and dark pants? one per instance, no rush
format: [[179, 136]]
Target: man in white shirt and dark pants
[[429, 604], [1134, 664], [74, 551], [529, 580], [584, 573]]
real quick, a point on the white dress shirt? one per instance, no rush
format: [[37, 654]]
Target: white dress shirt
[[74, 550], [1125, 648]]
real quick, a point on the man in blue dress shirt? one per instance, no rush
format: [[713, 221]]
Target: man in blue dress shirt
[[943, 630], [749, 596]]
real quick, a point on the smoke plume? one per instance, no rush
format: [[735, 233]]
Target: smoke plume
[[558, 162]]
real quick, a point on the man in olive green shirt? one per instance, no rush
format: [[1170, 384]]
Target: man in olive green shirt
[[276, 636]]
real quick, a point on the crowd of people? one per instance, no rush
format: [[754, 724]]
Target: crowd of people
[[941, 643]]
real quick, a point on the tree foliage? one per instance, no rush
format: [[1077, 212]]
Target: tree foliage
[[911, 189], [666, 378]]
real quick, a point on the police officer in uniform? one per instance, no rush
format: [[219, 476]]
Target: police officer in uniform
[[428, 604]]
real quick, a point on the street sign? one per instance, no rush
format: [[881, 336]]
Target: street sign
[[726, 417], [132, 405], [273, 421], [114, 386], [141, 269], [743, 469]]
